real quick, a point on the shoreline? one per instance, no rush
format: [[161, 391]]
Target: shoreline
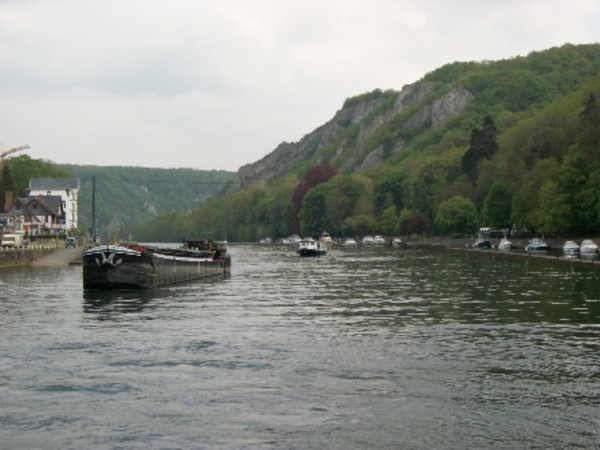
[[465, 245]]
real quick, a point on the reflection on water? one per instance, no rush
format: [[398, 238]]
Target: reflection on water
[[103, 304], [363, 348]]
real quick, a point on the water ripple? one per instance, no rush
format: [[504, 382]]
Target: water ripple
[[364, 348]]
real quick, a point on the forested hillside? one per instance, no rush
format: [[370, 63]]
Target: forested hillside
[[124, 195], [510, 144], [132, 195]]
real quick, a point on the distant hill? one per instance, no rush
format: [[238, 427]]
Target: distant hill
[[127, 196]]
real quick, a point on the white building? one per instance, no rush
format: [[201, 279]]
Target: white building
[[66, 188]]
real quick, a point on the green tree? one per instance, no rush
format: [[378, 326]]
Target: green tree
[[313, 212], [588, 136], [389, 221], [457, 217], [361, 224], [572, 180], [483, 145], [23, 168], [526, 203], [554, 210], [429, 182], [343, 193], [497, 207], [391, 190]]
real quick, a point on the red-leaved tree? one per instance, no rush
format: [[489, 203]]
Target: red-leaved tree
[[317, 175]]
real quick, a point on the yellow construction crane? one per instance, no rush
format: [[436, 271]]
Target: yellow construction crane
[[5, 153]]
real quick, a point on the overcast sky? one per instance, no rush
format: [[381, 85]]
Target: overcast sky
[[219, 84]]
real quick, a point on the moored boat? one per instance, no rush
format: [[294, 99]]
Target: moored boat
[[482, 243], [111, 267], [505, 244], [368, 240], [536, 245], [570, 247], [326, 239], [349, 242], [379, 240], [294, 239], [588, 246], [397, 242]]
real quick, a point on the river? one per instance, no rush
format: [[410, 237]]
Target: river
[[365, 348]]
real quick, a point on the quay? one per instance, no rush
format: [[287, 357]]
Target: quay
[[50, 254], [571, 260], [466, 245]]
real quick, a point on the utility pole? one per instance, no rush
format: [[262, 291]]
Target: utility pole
[[94, 209]]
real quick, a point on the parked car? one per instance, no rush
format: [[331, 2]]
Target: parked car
[[12, 240], [70, 242]]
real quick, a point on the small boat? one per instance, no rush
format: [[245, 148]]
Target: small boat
[[536, 245], [294, 239], [379, 240], [325, 238], [570, 247], [349, 242], [266, 241], [132, 266], [505, 244], [368, 240], [482, 243], [588, 246], [310, 247], [397, 242]]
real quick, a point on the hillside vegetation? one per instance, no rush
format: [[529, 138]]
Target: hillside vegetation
[[511, 144], [125, 196]]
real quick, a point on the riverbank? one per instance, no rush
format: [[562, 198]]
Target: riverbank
[[39, 256], [466, 245], [519, 243]]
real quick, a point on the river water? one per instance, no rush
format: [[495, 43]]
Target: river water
[[366, 348]]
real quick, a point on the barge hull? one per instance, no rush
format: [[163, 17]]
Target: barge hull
[[117, 267]]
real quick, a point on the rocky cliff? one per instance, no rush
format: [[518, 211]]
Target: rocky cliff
[[346, 141]]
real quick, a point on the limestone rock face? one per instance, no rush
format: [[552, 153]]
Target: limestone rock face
[[411, 110]]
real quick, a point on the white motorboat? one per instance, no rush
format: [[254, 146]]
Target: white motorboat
[[588, 246], [570, 247], [536, 245], [326, 238], [310, 247], [505, 244], [349, 242], [379, 240], [368, 240], [265, 241], [294, 239], [397, 242]]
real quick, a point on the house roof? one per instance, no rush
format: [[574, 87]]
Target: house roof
[[48, 184], [51, 203], [23, 205]]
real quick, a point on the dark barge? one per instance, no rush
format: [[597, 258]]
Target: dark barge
[[111, 267]]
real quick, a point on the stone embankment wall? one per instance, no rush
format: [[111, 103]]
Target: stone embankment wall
[[23, 256]]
